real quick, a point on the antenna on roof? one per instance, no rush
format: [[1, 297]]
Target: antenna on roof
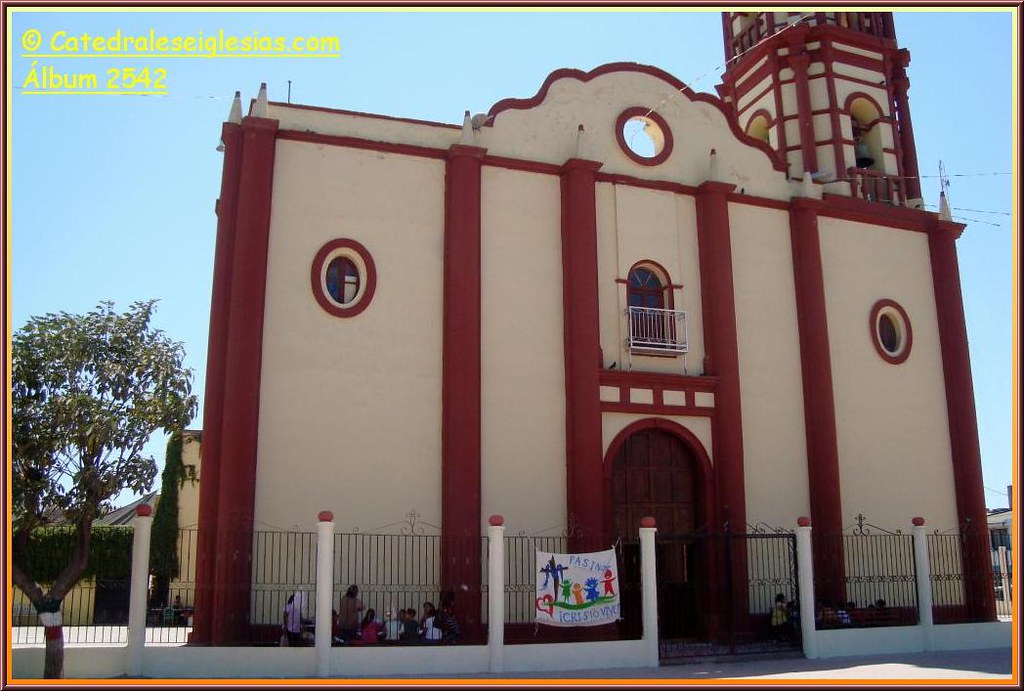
[[289, 91], [944, 210]]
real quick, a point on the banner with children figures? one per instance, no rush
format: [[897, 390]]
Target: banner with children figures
[[577, 589]]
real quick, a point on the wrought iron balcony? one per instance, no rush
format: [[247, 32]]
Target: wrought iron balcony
[[657, 331]]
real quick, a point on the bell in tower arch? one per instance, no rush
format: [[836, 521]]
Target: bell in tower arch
[[863, 155]]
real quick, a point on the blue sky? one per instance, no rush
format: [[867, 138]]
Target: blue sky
[[113, 196]]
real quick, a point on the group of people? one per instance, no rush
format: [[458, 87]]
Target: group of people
[[829, 615], [354, 624]]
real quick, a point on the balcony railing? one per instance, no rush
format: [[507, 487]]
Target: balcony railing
[[656, 330], [876, 187]]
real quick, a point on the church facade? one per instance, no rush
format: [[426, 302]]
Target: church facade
[[612, 299]]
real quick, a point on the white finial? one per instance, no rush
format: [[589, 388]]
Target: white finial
[[467, 130], [581, 142], [944, 212], [808, 184], [260, 110], [235, 116], [713, 166]]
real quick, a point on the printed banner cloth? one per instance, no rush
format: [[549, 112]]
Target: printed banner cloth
[[577, 589]]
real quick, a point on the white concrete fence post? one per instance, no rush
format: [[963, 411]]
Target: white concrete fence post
[[142, 526], [496, 592], [324, 591], [805, 582], [923, 572], [649, 590]]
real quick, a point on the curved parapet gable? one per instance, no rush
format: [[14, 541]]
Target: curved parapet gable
[[543, 127]]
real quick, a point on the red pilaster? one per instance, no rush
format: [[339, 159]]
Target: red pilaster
[[241, 392], [819, 400], [721, 344], [213, 403], [901, 85], [799, 61], [963, 421], [460, 387], [780, 113], [838, 146], [583, 457]]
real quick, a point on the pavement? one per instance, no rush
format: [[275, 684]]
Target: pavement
[[976, 667]]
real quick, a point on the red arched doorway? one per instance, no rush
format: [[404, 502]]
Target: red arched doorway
[[654, 472]]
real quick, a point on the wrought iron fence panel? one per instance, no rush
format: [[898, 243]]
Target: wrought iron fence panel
[[169, 617], [879, 582], [771, 569], [700, 573], [521, 573], [1002, 570], [95, 610], [391, 571], [959, 595], [283, 563]]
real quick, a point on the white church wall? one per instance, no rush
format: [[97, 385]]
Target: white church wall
[[547, 132], [891, 419], [613, 423], [637, 225], [523, 351], [360, 440], [771, 388]]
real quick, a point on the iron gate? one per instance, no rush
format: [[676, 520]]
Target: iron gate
[[716, 592]]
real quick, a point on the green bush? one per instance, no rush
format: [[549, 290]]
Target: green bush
[[49, 550]]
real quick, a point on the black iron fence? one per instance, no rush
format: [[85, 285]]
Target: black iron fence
[[96, 609], [963, 590], [521, 573], [406, 570], [875, 578]]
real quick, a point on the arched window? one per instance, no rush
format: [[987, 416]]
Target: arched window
[[758, 127], [644, 288], [867, 135], [653, 323]]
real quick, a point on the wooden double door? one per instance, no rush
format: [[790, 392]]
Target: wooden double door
[[655, 474]]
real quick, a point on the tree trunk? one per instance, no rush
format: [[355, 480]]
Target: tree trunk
[[53, 664]]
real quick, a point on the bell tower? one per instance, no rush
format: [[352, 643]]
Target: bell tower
[[828, 90]]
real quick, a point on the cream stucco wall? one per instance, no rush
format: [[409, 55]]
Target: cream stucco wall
[[356, 402], [523, 352], [548, 131], [367, 126], [188, 493], [891, 420], [613, 423], [771, 383], [636, 225], [350, 408]]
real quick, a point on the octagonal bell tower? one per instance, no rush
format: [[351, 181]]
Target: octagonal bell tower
[[828, 90]]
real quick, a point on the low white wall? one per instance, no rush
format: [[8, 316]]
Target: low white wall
[[973, 636], [552, 657], [80, 662], [229, 663], [185, 662], [911, 639], [389, 660], [870, 641]]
